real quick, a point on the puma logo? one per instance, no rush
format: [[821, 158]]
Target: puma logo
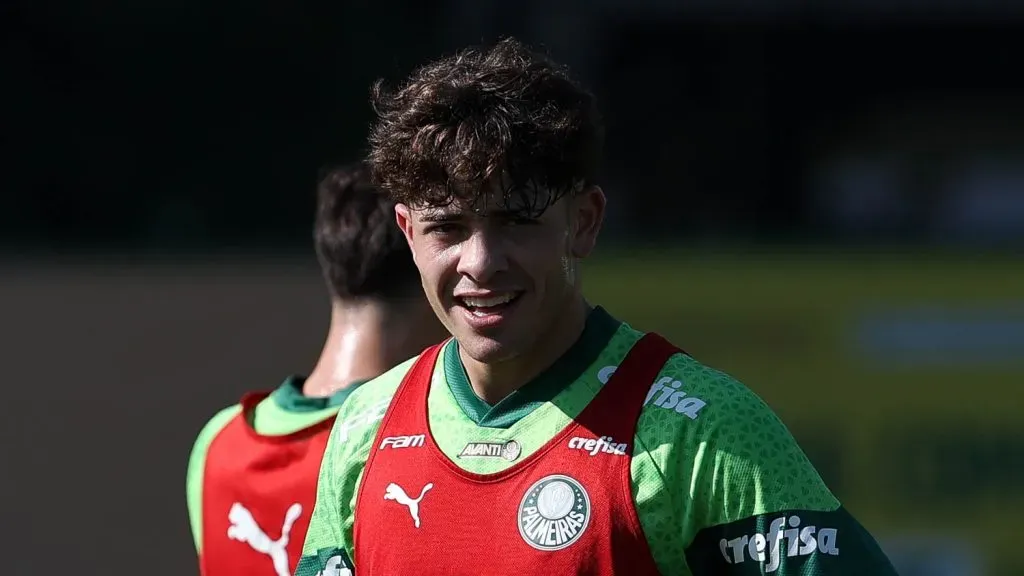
[[395, 492], [245, 529]]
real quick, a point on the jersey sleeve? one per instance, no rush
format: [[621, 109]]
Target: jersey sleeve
[[329, 547], [325, 550], [756, 503]]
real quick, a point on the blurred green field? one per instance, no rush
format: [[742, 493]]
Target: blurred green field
[[914, 440]]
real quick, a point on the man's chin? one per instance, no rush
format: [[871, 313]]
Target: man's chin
[[485, 349]]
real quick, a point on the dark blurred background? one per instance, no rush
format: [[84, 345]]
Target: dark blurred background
[[825, 199]]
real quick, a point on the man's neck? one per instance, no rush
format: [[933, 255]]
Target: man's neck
[[493, 382], [356, 349]]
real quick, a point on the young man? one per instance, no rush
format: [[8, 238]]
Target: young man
[[547, 437], [252, 473]]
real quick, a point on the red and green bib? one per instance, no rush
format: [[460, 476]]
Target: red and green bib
[[258, 493], [565, 509]]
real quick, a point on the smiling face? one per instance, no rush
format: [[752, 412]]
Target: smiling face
[[498, 280]]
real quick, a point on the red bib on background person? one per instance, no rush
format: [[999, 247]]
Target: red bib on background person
[[258, 495]]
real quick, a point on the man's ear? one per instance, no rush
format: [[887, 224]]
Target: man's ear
[[588, 207], [403, 216]]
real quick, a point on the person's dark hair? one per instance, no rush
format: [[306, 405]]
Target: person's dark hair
[[501, 114], [361, 250]]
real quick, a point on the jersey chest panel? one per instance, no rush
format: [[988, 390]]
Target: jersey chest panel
[[566, 509]]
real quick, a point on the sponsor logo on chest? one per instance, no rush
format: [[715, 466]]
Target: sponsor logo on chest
[[506, 450], [554, 513], [396, 442], [780, 542], [602, 445], [397, 493]]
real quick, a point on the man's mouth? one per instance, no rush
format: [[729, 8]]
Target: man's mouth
[[483, 306]]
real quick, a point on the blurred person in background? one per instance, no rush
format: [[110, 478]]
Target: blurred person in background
[[252, 473], [547, 437]]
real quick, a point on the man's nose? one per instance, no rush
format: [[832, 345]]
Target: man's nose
[[482, 255]]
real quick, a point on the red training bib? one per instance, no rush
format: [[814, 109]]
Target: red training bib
[[566, 509]]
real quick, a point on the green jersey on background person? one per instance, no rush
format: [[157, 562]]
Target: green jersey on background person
[[252, 472]]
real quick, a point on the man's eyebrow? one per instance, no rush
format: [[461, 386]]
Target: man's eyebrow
[[439, 216], [442, 216]]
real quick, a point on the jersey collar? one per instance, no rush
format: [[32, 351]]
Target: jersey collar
[[599, 329], [289, 397]]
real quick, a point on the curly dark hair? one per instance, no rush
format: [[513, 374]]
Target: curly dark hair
[[503, 114], [362, 252]]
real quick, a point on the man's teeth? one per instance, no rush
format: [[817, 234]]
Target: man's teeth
[[488, 302]]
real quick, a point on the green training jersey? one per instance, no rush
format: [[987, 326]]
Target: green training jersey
[[285, 411], [719, 484]]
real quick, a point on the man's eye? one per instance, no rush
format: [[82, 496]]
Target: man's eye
[[442, 229]]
